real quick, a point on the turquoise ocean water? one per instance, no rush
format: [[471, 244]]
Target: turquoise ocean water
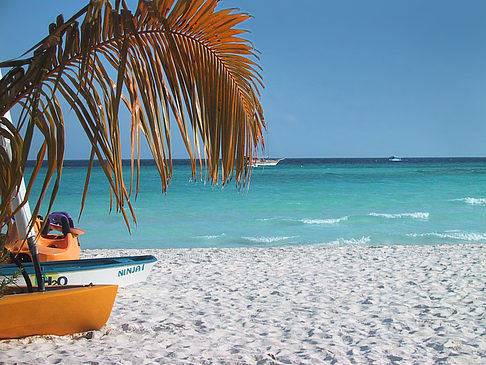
[[299, 202]]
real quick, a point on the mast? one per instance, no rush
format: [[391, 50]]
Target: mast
[[24, 216]]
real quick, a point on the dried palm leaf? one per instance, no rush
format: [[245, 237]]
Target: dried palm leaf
[[179, 62]]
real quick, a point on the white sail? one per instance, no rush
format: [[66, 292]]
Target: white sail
[[24, 215]]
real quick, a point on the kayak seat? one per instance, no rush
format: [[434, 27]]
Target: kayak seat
[[61, 219]]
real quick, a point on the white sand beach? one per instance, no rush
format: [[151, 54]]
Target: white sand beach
[[310, 305]]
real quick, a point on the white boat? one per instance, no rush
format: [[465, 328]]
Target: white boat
[[121, 271], [259, 162], [394, 159]]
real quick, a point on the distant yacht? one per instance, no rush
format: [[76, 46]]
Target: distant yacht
[[258, 162], [394, 159]]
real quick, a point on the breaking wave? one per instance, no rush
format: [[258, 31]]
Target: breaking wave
[[211, 237], [324, 221], [473, 201], [351, 241], [264, 239], [462, 236], [416, 215]]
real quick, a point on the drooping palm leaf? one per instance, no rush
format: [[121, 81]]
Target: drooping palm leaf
[[179, 62]]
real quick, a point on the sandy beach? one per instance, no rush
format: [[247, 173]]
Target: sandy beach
[[309, 304]]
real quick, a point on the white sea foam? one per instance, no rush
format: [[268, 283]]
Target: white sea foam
[[211, 237], [324, 221], [263, 239], [350, 241], [268, 219], [455, 235], [416, 215], [473, 201]]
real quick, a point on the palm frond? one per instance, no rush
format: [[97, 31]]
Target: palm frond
[[171, 62]]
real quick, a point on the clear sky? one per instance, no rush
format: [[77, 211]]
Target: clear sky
[[343, 78]]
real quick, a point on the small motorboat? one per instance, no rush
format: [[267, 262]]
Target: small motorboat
[[56, 311], [57, 239], [121, 271], [394, 159], [262, 162]]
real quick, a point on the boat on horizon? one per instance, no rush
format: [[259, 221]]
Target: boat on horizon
[[261, 162], [394, 159]]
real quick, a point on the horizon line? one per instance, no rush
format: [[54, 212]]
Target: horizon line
[[307, 158]]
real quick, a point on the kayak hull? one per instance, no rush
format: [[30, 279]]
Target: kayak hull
[[56, 312], [121, 271]]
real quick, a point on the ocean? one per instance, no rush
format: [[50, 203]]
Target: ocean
[[370, 202]]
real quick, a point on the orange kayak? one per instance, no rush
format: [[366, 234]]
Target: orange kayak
[[56, 311], [52, 246]]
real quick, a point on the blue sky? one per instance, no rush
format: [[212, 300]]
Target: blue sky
[[347, 78]]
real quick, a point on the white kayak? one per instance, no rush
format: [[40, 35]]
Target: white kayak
[[121, 271]]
